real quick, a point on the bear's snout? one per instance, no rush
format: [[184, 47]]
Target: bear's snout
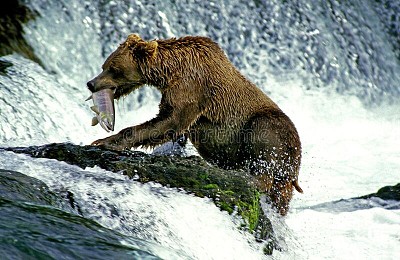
[[90, 85]]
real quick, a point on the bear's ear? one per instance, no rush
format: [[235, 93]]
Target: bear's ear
[[133, 39], [146, 49]]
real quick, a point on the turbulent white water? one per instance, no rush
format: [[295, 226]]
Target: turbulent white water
[[168, 217], [349, 151], [330, 67]]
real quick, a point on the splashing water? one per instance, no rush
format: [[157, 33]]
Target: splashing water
[[176, 220], [332, 66]]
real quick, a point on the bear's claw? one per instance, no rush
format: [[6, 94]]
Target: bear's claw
[[112, 142]]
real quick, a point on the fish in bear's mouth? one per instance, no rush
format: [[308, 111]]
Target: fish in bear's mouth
[[103, 106]]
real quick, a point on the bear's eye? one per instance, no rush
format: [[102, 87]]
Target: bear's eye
[[116, 72]]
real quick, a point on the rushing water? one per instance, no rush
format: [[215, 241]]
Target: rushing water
[[332, 66]]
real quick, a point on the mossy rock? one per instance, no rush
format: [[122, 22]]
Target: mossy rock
[[385, 193], [12, 17], [18, 186], [231, 191]]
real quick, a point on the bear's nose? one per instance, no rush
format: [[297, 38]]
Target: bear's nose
[[90, 85]]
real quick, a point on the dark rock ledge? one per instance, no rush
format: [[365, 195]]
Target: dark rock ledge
[[231, 191], [387, 197], [387, 193], [13, 15]]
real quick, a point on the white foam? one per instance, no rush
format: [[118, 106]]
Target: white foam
[[191, 226]]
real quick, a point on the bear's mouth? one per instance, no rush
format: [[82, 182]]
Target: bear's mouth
[[119, 92], [124, 90]]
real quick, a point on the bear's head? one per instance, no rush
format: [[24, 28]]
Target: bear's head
[[122, 70]]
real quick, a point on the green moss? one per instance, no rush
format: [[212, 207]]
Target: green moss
[[210, 186], [203, 176], [230, 190], [250, 212], [268, 249], [225, 206]]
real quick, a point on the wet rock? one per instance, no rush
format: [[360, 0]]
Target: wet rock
[[34, 225], [38, 231], [3, 67], [385, 193], [12, 17], [387, 197], [231, 191], [17, 186]]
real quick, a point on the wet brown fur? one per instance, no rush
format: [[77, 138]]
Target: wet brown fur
[[230, 121]]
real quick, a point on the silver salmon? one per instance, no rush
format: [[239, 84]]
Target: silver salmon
[[103, 106]]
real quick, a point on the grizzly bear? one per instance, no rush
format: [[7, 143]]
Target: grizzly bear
[[231, 122]]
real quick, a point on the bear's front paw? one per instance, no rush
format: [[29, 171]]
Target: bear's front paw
[[113, 142]]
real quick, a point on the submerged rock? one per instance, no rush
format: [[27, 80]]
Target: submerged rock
[[232, 191], [17, 186], [386, 193], [387, 197], [33, 226]]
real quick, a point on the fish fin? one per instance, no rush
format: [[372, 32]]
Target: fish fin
[[95, 121], [95, 109]]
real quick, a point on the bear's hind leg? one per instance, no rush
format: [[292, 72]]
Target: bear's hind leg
[[274, 147], [279, 192], [280, 195]]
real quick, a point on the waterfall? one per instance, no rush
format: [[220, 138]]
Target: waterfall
[[332, 66]]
